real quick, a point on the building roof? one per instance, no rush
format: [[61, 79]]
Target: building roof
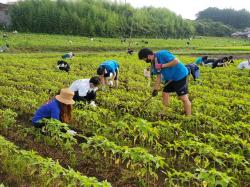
[[3, 6], [245, 33]]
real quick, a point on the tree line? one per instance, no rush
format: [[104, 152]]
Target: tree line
[[238, 19], [97, 18], [112, 19]]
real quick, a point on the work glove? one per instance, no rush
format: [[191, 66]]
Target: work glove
[[92, 103], [158, 66], [93, 89], [110, 83], [154, 93]]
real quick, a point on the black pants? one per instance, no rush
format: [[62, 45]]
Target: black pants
[[218, 63], [64, 68], [210, 60], [91, 96]]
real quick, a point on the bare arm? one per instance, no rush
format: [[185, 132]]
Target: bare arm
[[113, 78], [157, 82], [101, 77], [106, 81]]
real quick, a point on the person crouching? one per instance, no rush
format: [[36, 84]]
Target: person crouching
[[59, 108], [85, 89]]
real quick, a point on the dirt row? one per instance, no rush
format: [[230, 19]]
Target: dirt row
[[87, 167]]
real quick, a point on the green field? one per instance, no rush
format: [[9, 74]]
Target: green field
[[130, 146], [47, 43]]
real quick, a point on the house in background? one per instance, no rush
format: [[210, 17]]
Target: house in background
[[4, 14], [244, 34]]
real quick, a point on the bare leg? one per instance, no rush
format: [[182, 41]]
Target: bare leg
[[106, 81], [116, 83], [116, 79], [165, 101], [186, 104]]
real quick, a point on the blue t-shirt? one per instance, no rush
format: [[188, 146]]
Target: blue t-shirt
[[110, 66], [174, 73], [198, 61], [48, 110]]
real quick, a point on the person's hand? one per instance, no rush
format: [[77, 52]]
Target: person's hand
[[92, 103], [110, 83], [158, 66], [154, 93]]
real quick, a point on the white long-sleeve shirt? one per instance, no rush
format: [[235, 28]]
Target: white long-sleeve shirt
[[82, 86]]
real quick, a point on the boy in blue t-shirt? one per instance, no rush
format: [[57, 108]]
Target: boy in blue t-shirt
[[108, 72], [201, 60], [167, 67]]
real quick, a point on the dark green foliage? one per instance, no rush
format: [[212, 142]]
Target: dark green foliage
[[238, 19], [212, 28], [97, 18]]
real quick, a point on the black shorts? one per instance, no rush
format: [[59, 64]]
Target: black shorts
[[116, 74], [180, 87]]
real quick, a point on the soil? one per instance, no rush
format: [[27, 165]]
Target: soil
[[87, 167]]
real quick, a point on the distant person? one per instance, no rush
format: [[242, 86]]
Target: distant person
[[59, 108], [4, 48], [130, 51], [168, 68], [108, 73], [85, 89], [230, 59], [201, 60], [62, 65], [209, 62], [223, 62], [68, 55], [5, 35], [244, 65], [194, 70]]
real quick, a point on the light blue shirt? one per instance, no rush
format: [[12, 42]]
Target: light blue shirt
[[198, 61]]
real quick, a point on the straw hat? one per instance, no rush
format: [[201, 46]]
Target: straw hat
[[66, 96]]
